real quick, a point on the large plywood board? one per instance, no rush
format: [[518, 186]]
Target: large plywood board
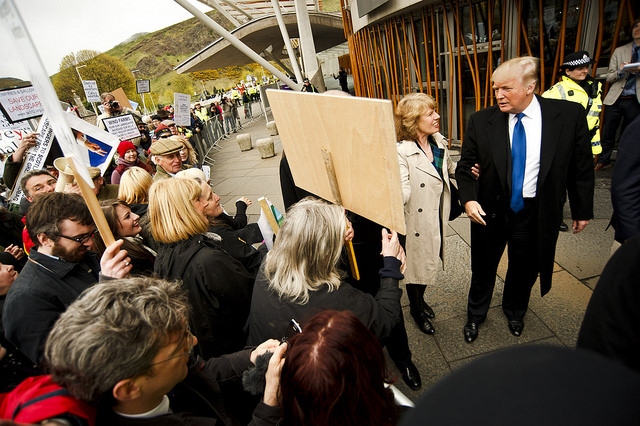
[[359, 133]]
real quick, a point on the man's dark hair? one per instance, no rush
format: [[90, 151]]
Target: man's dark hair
[[47, 212], [29, 175]]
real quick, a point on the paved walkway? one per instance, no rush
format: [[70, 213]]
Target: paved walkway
[[554, 319]]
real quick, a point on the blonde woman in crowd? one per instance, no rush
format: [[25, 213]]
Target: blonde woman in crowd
[[219, 286]]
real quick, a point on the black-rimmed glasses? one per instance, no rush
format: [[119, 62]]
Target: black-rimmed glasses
[[80, 239]]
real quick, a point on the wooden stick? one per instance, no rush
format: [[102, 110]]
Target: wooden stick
[[94, 207], [333, 181]]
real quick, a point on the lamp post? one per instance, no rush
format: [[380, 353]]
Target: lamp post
[[93, 104]]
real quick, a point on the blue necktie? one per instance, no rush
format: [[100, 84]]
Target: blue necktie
[[519, 159]]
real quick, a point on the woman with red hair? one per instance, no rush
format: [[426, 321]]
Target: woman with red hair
[[334, 374]]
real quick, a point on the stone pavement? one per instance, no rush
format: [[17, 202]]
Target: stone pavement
[[554, 319]]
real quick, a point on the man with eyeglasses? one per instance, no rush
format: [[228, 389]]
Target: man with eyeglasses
[[125, 346], [60, 267]]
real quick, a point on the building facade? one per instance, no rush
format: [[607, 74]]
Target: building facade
[[449, 49]]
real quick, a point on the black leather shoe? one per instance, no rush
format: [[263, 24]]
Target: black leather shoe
[[470, 331], [515, 327], [426, 309], [422, 320], [564, 227], [411, 377]]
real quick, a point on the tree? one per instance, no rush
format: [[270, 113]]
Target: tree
[[109, 72]]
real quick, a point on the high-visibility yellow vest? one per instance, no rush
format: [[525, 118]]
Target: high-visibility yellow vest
[[202, 113], [567, 89]]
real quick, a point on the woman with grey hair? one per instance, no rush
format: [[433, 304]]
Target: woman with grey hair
[[300, 276]]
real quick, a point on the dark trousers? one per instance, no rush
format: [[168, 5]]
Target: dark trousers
[[623, 110], [367, 245], [519, 231]]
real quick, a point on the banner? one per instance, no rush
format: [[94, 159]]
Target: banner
[[91, 91], [35, 157], [97, 148], [122, 126], [182, 109], [21, 104], [10, 140]]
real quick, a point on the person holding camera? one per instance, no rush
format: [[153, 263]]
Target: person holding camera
[[112, 108]]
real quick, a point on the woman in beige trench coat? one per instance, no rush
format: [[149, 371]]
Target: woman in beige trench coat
[[425, 169]]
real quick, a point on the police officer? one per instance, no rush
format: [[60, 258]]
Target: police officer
[[576, 85]]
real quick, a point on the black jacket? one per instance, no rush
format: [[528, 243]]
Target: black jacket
[[43, 290], [270, 316], [219, 289]]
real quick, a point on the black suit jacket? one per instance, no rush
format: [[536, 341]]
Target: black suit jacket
[[625, 185], [566, 165]]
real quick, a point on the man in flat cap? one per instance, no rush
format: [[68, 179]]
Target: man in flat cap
[[166, 156]]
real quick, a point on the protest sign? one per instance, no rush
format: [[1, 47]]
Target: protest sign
[[122, 126], [357, 135], [20, 104], [143, 86], [10, 140], [91, 90], [99, 146], [181, 109], [121, 97], [36, 157]]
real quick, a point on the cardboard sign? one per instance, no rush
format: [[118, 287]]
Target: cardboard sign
[[359, 136], [91, 90], [182, 109], [21, 104], [121, 97], [21, 126], [122, 126], [143, 86]]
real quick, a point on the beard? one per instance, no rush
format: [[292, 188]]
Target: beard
[[73, 256]]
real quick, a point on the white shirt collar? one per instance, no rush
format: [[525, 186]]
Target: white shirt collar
[[531, 111]]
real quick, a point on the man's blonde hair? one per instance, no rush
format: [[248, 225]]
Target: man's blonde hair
[[527, 68]]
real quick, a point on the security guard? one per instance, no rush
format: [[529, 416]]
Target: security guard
[[576, 85]]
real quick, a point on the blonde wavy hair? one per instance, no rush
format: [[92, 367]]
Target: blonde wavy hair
[[134, 186], [172, 213], [307, 250], [408, 112]]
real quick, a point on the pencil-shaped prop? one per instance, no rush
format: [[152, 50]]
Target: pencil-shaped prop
[[16, 30], [331, 174]]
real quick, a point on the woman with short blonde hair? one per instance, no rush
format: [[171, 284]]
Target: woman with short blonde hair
[[219, 287], [425, 172], [134, 186], [172, 210]]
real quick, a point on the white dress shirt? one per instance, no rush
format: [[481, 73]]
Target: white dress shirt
[[532, 122]]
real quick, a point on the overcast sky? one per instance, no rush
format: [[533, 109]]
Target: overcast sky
[[59, 27]]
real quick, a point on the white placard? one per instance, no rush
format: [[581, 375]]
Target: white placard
[[181, 109], [143, 86], [36, 156], [21, 104], [122, 126], [91, 90], [10, 140]]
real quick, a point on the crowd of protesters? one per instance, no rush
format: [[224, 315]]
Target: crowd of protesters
[[187, 319]]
